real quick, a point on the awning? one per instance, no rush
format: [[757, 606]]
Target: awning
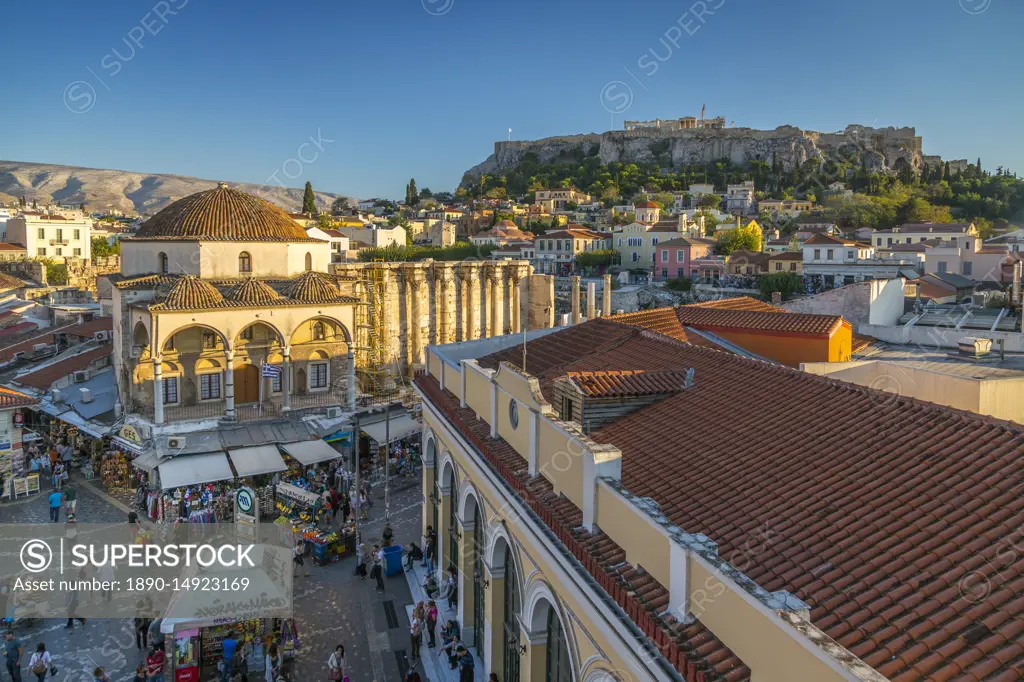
[[338, 436], [311, 451], [194, 469], [399, 428], [261, 459], [126, 445], [147, 461]]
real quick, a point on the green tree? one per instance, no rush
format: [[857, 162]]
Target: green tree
[[412, 197], [308, 200], [744, 238], [710, 201], [664, 199], [785, 283], [81, 207], [324, 222], [101, 248], [339, 206]]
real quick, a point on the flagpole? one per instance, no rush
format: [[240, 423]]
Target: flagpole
[[261, 387]]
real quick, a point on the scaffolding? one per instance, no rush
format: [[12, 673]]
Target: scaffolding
[[375, 372]]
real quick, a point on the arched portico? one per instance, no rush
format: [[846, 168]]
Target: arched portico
[[548, 637]]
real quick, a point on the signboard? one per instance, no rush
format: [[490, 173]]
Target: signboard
[[247, 514], [129, 433], [19, 419]]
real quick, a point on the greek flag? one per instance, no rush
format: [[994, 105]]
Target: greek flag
[[270, 370]]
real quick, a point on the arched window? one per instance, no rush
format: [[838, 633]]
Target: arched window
[[511, 620], [244, 262], [319, 331], [309, 262], [478, 582], [453, 525], [559, 664], [163, 263]]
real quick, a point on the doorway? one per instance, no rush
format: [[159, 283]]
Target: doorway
[[247, 384]]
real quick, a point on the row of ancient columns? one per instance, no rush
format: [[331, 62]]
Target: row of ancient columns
[[606, 299]]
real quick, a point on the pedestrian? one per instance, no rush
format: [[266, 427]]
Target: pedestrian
[[415, 633], [377, 572], [335, 503], [272, 664], [227, 655], [361, 561], [451, 588], [432, 614], [387, 535], [14, 650], [71, 502], [72, 603], [56, 500], [140, 673], [58, 475], [466, 664], [134, 523], [412, 676], [346, 509], [493, 677], [155, 663], [413, 553], [364, 507], [141, 629], [107, 577], [100, 675], [39, 664], [298, 560], [336, 664]]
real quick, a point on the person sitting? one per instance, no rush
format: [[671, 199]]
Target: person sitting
[[430, 586], [412, 553], [451, 649]]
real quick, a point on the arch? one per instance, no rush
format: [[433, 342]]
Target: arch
[[170, 367], [208, 365], [319, 355], [199, 325], [163, 266], [600, 675], [339, 329], [140, 338], [244, 263], [430, 449], [466, 510], [538, 602], [260, 323], [309, 262], [449, 473]]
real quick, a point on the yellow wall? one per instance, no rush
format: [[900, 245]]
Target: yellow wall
[[478, 393], [645, 544], [519, 437]]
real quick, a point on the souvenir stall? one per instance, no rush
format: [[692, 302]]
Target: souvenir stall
[[198, 644], [306, 515], [194, 489]]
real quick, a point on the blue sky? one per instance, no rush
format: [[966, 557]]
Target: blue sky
[[229, 90]]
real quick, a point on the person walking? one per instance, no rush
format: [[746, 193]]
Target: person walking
[[387, 535], [298, 560], [364, 507], [432, 614], [361, 561], [335, 503], [71, 502], [141, 631], [272, 664], [336, 665], [39, 664], [227, 655], [416, 632], [377, 572], [155, 662], [14, 650], [58, 474], [56, 499]]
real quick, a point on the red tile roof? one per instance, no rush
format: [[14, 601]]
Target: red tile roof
[[45, 377], [8, 352], [661, 320], [90, 328], [18, 328], [628, 382], [892, 518], [7, 282], [4, 246], [771, 322], [9, 398], [738, 303]]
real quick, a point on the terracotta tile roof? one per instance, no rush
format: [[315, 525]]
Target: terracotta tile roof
[[90, 328], [223, 214], [890, 517], [18, 328], [738, 303], [928, 227], [687, 241], [4, 246], [252, 291], [8, 282], [752, 257], [660, 320], [753, 320], [787, 255], [145, 281], [646, 204], [313, 287], [9, 399], [189, 293], [45, 377], [627, 382], [8, 352]]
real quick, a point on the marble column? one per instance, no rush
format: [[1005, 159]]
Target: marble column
[[494, 309], [286, 378], [515, 312], [606, 297], [441, 306], [468, 305], [591, 300], [158, 390], [416, 289], [575, 302], [351, 378], [229, 385]]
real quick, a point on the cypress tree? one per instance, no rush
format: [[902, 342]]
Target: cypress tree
[[309, 200], [945, 172], [413, 196]]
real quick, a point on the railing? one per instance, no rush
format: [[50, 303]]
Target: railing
[[257, 411], [180, 413], [269, 409], [319, 398]]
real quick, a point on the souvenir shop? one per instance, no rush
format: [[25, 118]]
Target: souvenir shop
[[308, 516], [198, 644], [402, 432]]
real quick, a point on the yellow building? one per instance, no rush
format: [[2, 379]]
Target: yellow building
[[634, 506]]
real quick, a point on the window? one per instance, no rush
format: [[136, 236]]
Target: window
[[636, 256], [78, 252], [968, 242], [817, 254], [967, 268], [60, 251], [209, 340], [245, 262], [309, 262], [664, 273], [170, 390], [942, 266], [558, 244], [163, 263], [319, 332], [778, 266], [750, 270], [275, 381], [889, 242], [664, 256], [209, 386], [680, 256], [830, 253], [41, 234], [318, 375], [850, 254], [513, 413], [60, 235], [246, 334], [559, 661], [792, 267], [78, 235], [620, 241], [654, 241]]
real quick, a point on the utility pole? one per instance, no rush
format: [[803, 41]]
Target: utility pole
[[355, 471]]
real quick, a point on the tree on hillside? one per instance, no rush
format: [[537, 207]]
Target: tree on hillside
[[945, 172], [81, 207], [339, 206], [664, 199], [744, 238], [102, 248], [710, 201], [412, 197], [308, 200], [785, 283]]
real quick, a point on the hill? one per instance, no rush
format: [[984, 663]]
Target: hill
[[103, 189]]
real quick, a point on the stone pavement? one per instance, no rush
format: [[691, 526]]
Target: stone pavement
[[332, 606]]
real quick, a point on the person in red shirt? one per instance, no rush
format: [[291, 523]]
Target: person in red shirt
[[155, 664]]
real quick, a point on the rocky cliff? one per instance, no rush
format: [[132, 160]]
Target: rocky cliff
[[881, 148], [125, 190]]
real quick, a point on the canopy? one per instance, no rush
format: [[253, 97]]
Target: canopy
[[194, 469], [311, 451], [147, 461], [260, 459], [399, 428]]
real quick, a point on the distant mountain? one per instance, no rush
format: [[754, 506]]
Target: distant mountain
[[127, 191]]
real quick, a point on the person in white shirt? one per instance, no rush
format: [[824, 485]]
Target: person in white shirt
[[40, 662]]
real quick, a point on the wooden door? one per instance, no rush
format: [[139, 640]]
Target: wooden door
[[247, 384]]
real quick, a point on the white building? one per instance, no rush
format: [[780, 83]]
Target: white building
[[843, 261], [339, 242], [739, 198], [915, 233], [51, 236]]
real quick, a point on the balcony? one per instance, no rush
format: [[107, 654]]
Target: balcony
[[271, 408], [59, 242]]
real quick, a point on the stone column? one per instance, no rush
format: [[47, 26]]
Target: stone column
[[575, 299], [158, 390], [513, 284], [606, 297], [468, 274], [443, 531], [286, 378], [441, 304], [534, 664], [351, 379], [494, 310], [416, 326], [494, 615], [229, 385], [591, 300]]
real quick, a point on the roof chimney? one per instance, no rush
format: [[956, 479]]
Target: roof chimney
[[681, 227], [86, 395], [975, 347]]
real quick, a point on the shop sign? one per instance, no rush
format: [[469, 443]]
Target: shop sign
[[129, 433], [19, 419], [189, 673], [247, 513]]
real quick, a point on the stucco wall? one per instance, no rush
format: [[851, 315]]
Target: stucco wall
[[852, 301]]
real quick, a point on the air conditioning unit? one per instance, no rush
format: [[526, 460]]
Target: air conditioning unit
[[135, 352], [102, 335], [81, 377], [56, 396], [175, 443], [40, 347], [333, 412], [86, 395]]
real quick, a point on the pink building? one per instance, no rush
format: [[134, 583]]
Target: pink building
[[674, 258]]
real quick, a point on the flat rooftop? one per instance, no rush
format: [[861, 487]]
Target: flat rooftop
[[946, 361]]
